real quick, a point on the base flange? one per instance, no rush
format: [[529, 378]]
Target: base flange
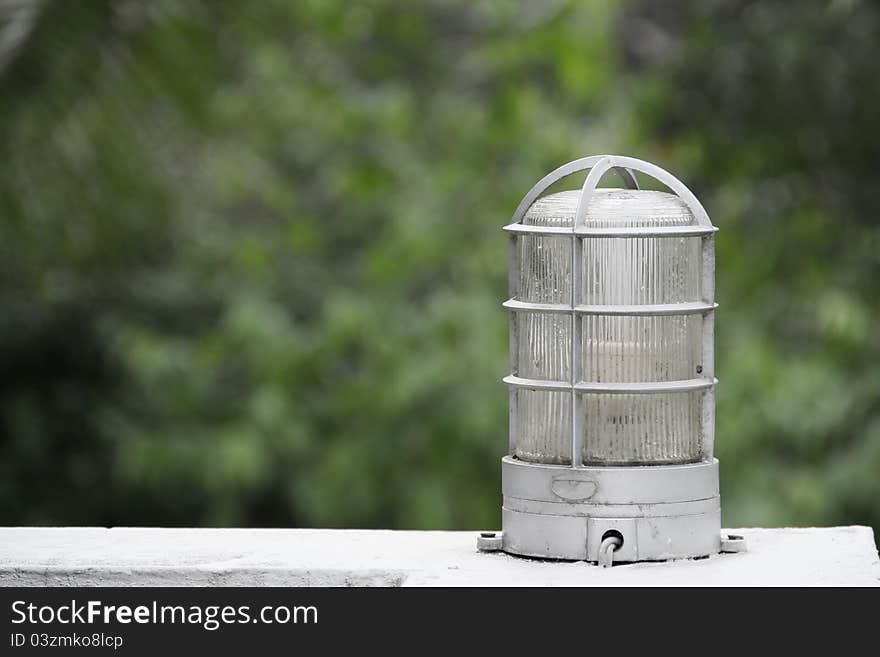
[[659, 512]]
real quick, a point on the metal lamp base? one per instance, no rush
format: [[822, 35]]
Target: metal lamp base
[[641, 513]]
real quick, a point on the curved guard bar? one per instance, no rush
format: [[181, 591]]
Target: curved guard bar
[[599, 165], [663, 176], [568, 169], [593, 178]]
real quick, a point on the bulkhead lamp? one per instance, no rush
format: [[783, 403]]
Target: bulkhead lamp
[[612, 377]]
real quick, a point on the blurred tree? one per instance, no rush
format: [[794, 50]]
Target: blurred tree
[[252, 267], [275, 230]]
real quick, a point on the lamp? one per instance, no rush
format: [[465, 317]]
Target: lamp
[[611, 383]]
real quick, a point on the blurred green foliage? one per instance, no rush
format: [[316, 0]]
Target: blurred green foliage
[[251, 265]]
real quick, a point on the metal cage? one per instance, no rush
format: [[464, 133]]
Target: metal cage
[[615, 396]]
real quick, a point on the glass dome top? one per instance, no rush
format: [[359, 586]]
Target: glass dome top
[[610, 208]]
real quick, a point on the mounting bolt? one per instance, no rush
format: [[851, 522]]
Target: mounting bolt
[[733, 543], [489, 541]]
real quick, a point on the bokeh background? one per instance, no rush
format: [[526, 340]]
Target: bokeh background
[[251, 266]]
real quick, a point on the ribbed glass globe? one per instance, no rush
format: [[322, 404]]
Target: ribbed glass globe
[[652, 428]]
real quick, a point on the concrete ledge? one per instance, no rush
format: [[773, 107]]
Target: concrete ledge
[[35, 556]]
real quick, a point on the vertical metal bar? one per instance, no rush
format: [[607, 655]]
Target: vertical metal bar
[[577, 438], [707, 415], [513, 276], [589, 186]]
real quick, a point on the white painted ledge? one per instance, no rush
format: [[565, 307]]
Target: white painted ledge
[[34, 556]]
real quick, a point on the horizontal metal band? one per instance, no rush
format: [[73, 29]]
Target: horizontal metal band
[[687, 385], [688, 308], [535, 384], [623, 231], [526, 229], [586, 387], [614, 485], [690, 508]]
